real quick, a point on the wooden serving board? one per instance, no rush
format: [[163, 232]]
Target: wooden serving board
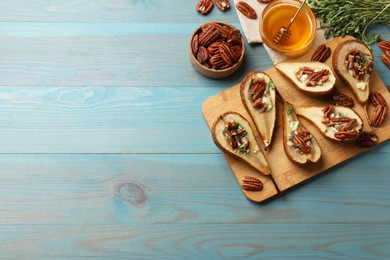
[[285, 173]]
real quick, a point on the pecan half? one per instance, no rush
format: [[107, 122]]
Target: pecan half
[[321, 54], [209, 35], [228, 55], [386, 58], [251, 184], [204, 6], [195, 44], [328, 110], [367, 139], [222, 4], [214, 48], [299, 141], [217, 62], [384, 46], [203, 55], [246, 10], [379, 115], [381, 109], [346, 135], [377, 99], [264, 1], [340, 99]]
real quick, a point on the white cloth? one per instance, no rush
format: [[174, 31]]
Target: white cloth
[[252, 34], [251, 26]]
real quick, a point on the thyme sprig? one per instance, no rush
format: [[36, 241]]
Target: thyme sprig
[[347, 17]]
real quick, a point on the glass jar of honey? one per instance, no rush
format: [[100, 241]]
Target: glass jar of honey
[[302, 32]]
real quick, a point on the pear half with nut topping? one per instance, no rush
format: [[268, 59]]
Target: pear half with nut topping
[[299, 144], [258, 96], [337, 123], [313, 78], [353, 62], [233, 134]]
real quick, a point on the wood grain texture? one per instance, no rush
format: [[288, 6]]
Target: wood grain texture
[[104, 153], [161, 205]]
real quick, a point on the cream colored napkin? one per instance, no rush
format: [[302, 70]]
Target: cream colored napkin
[[252, 34], [251, 26]]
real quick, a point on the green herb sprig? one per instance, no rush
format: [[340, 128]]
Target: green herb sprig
[[351, 17]]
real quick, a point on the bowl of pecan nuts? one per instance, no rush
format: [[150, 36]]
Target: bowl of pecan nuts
[[217, 49]]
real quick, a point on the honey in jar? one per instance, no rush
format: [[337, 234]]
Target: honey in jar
[[279, 15]]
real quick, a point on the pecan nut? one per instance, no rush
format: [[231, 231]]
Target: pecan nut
[[377, 99], [328, 110], [246, 10], [209, 35], [207, 41], [367, 139], [195, 44], [381, 109], [386, 58], [223, 5], [251, 184], [202, 55], [228, 55], [204, 6], [379, 115], [264, 1], [321, 54], [340, 99], [217, 61], [346, 135], [384, 46]]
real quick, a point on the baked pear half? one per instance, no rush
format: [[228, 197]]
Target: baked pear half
[[299, 144], [353, 62], [258, 96], [336, 123], [313, 78], [233, 134]]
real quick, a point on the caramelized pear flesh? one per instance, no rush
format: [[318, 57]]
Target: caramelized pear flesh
[[299, 144], [258, 96], [337, 123], [313, 78], [233, 134], [353, 62]]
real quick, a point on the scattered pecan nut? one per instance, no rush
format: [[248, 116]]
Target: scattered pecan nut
[[204, 6], [379, 115], [223, 5], [386, 58], [367, 139], [340, 99], [377, 99], [251, 184], [321, 54], [384, 46], [381, 109], [246, 10]]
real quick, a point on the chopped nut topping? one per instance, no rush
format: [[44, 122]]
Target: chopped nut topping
[[236, 135], [359, 65]]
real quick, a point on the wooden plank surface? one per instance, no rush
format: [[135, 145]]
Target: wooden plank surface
[[104, 152], [286, 174]]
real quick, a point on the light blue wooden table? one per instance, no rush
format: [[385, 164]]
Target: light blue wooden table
[[105, 152]]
